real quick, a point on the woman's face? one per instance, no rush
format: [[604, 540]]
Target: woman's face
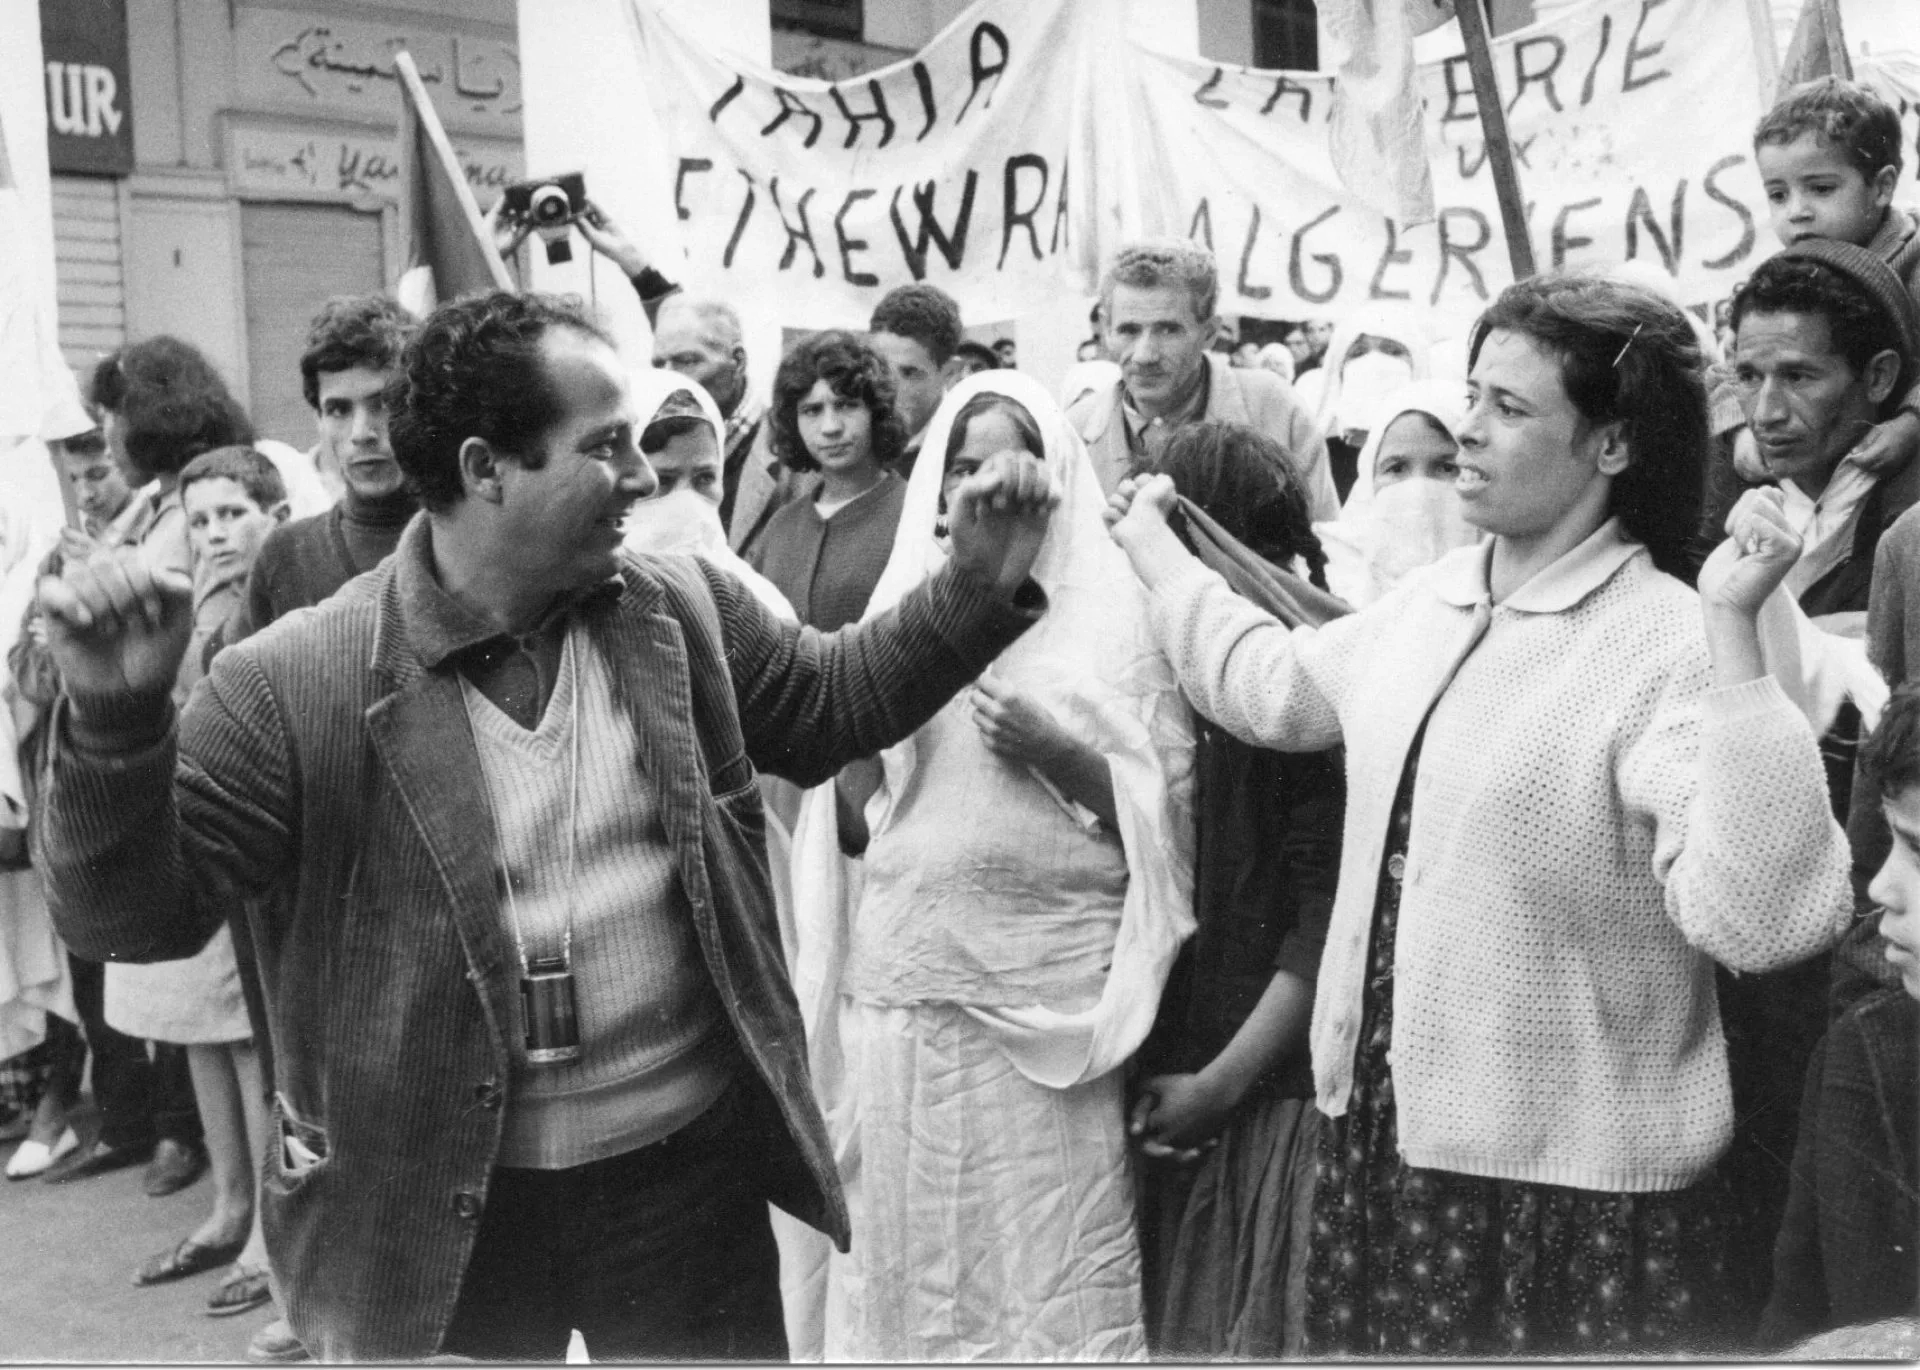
[[114, 429], [837, 429], [989, 432], [1528, 459], [1414, 447]]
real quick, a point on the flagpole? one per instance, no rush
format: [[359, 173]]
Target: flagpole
[[429, 117], [1493, 128], [1766, 49]]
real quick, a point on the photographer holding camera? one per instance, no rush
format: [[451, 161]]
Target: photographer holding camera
[[699, 338]]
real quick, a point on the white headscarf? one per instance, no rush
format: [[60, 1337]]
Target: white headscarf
[[1278, 358], [1382, 534], [685, 522], [1092, 662], [1343, 395]]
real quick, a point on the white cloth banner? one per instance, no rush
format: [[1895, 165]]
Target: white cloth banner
[[1631, 123], [1031, 136], [959, 167], [38, 396]]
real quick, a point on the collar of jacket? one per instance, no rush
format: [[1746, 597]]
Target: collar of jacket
[[1224, 400], [1463, 578], [429, 625]]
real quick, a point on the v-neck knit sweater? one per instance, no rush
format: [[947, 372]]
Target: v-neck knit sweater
[[652, 1057], [1594, 825]]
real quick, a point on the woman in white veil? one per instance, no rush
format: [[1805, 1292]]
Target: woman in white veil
[[1003, 952], [1402, 512]]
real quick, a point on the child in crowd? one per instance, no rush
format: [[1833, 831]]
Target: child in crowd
[[1223, 1112], [232, 498], [1846, 1253], [1829, 158]]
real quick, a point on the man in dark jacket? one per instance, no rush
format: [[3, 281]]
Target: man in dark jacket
[[540, 1067]]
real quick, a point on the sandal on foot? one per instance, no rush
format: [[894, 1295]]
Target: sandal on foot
[[243, 1288], [188, 1258], [36, 1158]]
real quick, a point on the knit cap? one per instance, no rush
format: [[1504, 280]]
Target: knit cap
[[1868, 271]]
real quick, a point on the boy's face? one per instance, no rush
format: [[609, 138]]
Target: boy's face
[[1814, 191], [1896, 889], [224, 526], [99, 488]]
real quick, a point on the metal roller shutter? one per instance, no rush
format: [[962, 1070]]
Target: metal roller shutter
[[294, 258], [91, 273]]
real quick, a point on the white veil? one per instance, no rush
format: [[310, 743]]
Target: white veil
[[684, 522], [1092, 662], [1380, 538]]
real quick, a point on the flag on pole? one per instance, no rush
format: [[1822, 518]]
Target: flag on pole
[[1376, 134], [1819, 46], [449, 251]]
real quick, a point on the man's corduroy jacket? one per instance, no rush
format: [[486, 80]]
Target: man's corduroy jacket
[[324, 774]]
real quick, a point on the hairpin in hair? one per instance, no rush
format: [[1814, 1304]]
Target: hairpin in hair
[[1625, 345]]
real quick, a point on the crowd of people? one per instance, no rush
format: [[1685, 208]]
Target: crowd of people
[[1366, 844]]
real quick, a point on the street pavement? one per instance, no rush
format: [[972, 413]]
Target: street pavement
[[67, 1257]]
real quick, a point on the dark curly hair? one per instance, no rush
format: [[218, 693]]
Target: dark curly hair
[[170, 402], [1626, 356], [925, 313], [474, 370], [1245, 480], [854, 371], [350, 331], [1843, 114], [1891, 757], [1860, 326]]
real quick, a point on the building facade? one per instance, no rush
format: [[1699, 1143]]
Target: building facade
[[221, 166]]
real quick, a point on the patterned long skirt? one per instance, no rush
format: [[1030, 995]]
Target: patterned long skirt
[[1429, 1263]]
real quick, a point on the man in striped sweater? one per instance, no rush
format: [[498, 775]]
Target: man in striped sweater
[[492, 810]]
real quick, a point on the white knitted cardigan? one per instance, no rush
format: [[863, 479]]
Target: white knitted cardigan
[[1593, 827]]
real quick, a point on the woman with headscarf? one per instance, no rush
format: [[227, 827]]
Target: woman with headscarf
[[1027, 883], [1223, 1104], [683, 438], [1375, 350], [1402, 512]]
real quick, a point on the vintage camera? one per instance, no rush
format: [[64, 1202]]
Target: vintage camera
[[549, 205]]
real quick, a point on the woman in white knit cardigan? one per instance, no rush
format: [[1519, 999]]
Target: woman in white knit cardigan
[[1565, 802]]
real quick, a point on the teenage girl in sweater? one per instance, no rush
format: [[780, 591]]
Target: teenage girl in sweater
[[1555, 825]]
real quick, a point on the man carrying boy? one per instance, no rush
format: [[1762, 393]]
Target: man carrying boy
[[1829, 159]]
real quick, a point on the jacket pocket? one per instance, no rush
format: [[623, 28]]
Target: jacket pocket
[[300, 1149], [729, 780]]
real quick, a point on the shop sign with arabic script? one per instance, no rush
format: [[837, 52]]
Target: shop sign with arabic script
[[300, 60]]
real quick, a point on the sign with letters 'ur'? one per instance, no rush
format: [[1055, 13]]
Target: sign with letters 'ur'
[[89, 117]]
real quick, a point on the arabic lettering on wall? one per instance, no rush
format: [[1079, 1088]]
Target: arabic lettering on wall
[[275, 161], [313, 61]]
